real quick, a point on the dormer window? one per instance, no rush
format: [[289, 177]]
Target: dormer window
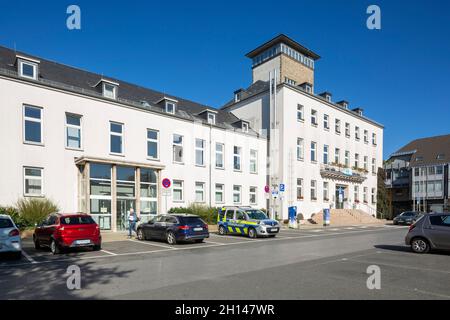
[[170, 107], [441, 156], [211, 118], [109, 90], [245, 127], [238, 95], [308, 88], [27, 68]]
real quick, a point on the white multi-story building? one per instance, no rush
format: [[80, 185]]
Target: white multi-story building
[[325, 154], [100, 145]]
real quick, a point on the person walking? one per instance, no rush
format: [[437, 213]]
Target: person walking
[[132, 219]]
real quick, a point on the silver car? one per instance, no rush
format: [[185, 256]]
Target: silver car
[[9, 237], [431, 231]]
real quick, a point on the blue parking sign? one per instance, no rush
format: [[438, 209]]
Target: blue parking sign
[[282, 187]]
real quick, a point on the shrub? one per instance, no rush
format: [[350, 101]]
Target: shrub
[[14, 214], [33, 211], [208, 214]]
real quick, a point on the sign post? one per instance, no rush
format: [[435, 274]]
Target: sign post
[[166, 192]]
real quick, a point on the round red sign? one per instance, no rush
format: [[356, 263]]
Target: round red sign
[[166, 183]]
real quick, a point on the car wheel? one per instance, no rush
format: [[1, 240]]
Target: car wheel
[[37, 245], [141, 235], [420, 245], [171, 238], [222, 231], [198, 240], [252, 233], [98, 247], [54, 247]]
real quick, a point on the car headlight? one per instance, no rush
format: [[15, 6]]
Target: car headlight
[[262, 223]]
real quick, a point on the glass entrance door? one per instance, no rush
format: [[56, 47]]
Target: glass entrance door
[[123, 209], [339, 196]]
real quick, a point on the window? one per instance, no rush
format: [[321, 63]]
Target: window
[[149, 197], [177, 148], [374, 139], [219, 193], [374, 166], [326, 122], [313, 190], [252, 195], [337, 126], [430, 186], [170, 107], [416, 187], [236, 194], [32, 124], [300, 112], [244, 127], [325, 154], [431, 171], [126, 182], [356, 193], [337, 155], [374, 200], [199, 152], [116, 138], [299, 188], [199, 192], [28, 69], [366, 159], [152, 143], [416, 172], [357, 133], [177, 190], [253, 161], [438, 186], [313, 151], [211, 118], [109, 90], [365, 194], [300, 149], [347, 130], [347, 158], [440, 156], [100, 194], [314, 117], [356, 160], [439, 170], [220, 155], [73, 131], [33, 182], [366, 136], [237, 158], [325, 191], [441, 220]]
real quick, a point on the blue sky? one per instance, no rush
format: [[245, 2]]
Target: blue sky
[[400, 74]]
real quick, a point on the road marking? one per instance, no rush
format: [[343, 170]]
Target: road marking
[[235, 237], [153, 244], [26, 255], [108, 252], [213, 242]]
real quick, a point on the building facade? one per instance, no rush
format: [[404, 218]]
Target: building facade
[[417, 175]]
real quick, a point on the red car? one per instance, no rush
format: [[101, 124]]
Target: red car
[[61, 231]]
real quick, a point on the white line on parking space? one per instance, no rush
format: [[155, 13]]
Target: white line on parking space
[[154, 244], [235, 237], [27, 256], [108, 252], [207, 241]]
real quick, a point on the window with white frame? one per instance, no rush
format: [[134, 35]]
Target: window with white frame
[[337, 156], [357, 133], [211, 118], [337, 126], [300, 112], [152, 144], [149, 191], [347, 158], [33, 182], [325, 191], [253, 195], [237, 158], [313, 151], [116, 137], [374, 139], [314, 117], [199, 192], [253, 161], [177, 148], [219, 194], [170, 107], [73, 131], [439, 170], [244, 127], [347, 129], [199, 152], [365, 194], [366, 165], [356, 160], [28, 69], [374, 165], [299, 189], [237, 194], [326, 121], [374, 200], [313, 190], [109, 90], [220, 149], [177, 190], [356, 193], [300, 149], [325, 154], [32, 125], [366, 136]]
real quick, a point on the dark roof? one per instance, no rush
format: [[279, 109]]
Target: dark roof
[[282, 38], [428, 149], [257, 87], [76, 80]]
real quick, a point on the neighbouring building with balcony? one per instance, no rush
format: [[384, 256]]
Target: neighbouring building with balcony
[[418, 177]]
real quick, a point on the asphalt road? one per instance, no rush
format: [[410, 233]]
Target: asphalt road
[[298, 264]]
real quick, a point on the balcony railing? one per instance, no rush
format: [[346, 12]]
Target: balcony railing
[[339, 172]]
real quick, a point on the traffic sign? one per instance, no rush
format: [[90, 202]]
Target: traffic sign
[[282, 187], [166, 183]]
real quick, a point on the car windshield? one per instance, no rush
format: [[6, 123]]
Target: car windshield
[[256, 214], [77, 220], [5, 223], [407, 214], [190, 220]]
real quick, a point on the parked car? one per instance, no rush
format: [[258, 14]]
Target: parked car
[[61, 231], [246, 221], [10, 237], [407, 217], [174, 228], [430, 231]]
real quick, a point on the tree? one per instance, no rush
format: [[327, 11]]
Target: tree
[[384, 200]]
